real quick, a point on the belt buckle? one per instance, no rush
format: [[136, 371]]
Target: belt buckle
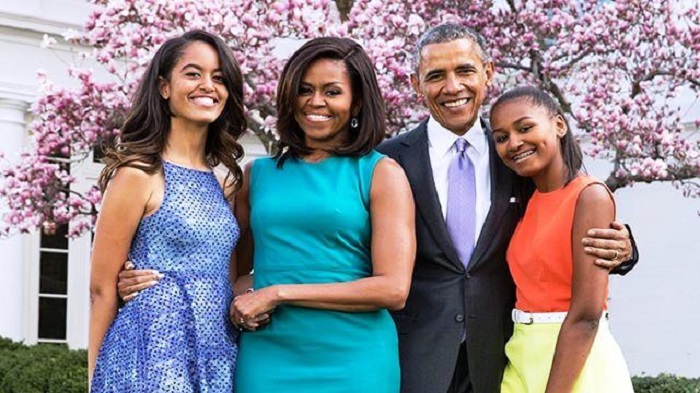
[[517, 314]]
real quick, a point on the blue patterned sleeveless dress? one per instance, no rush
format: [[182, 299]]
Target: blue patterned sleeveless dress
[[176, 336]]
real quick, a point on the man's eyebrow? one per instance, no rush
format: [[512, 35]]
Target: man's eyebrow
[[434, 72], [470, 66]]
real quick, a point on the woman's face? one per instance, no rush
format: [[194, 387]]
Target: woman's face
[[527, 137], [323, 106], [196, 91]]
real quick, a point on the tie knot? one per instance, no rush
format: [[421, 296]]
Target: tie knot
[[461, 145]]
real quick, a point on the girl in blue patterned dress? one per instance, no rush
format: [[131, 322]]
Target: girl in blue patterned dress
[[328, 225], [164, 209]]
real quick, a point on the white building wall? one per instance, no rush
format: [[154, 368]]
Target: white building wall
[[654, 309], [22, 26], [654, 315], [13, 274]]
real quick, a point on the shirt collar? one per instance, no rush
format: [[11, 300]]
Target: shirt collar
[[442, 139]]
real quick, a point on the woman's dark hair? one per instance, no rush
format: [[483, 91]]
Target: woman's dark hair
[[143, 135], [371, 129], [571, 151]]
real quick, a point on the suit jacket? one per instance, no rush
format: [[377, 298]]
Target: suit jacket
[[445, 298]]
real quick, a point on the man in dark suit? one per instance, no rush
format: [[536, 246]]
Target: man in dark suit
[[457, 319]]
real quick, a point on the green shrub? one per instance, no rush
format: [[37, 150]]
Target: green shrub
[[43, 368], [51, 368], [665, 383]]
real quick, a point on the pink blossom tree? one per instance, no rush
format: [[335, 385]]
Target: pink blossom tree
[[616, 67]]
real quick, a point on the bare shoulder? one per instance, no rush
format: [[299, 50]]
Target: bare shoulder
[[130, 176], [595, 195], [388, 167], [389, 177], [595, 207], [136, 187]]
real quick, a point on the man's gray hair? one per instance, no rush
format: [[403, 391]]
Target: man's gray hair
[[447, 32]]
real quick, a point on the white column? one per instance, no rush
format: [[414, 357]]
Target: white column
[[79, 249], [13, 281]]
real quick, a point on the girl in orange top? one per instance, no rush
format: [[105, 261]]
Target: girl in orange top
[[561, 340]]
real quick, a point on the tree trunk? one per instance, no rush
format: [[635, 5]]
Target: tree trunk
[[344, 7]]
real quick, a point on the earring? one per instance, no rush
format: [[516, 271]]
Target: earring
[[354, 123]]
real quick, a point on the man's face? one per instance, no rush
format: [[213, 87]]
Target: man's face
[[452, 79]]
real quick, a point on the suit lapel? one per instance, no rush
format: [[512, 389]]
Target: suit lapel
[[501, 192], [420, 176]]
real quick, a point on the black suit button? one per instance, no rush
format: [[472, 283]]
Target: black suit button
[[459, 318], [469, 276]]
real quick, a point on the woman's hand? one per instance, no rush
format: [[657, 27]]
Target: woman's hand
[[251, 310]]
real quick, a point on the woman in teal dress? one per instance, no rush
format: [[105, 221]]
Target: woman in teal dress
[[328, 227]]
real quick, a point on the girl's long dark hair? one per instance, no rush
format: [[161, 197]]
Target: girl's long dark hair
[[142, 138]]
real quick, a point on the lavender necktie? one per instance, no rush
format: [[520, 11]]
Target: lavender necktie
[[461, 202]]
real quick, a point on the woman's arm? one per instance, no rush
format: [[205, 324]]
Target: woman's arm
[[243, 256], [594, 209], [393, 246], [242, 259], [126, 200]]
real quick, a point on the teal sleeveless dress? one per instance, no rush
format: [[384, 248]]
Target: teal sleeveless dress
[[311, 224]]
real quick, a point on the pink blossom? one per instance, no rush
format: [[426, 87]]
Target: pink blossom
[[614, 67]]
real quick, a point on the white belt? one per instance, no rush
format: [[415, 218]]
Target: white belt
[[542, 317]]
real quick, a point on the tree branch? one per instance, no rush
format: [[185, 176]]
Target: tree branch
[[513, 66], [575, 60], [559, 95], [681, 174], [656, 73]]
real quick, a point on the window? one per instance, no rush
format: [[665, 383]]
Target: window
[[57, 303], [53, 286]]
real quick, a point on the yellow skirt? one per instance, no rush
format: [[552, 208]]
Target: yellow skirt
[[530, 352]]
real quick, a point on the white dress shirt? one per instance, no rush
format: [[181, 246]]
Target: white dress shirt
[[441, 150]]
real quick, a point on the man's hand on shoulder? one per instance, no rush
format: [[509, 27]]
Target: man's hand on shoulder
[[611, 246]]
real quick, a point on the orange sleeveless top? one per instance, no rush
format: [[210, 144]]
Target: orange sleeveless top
[[540, 255]]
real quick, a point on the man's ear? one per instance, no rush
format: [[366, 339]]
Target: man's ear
[[415, 83], [488, 69], [163, 88]]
